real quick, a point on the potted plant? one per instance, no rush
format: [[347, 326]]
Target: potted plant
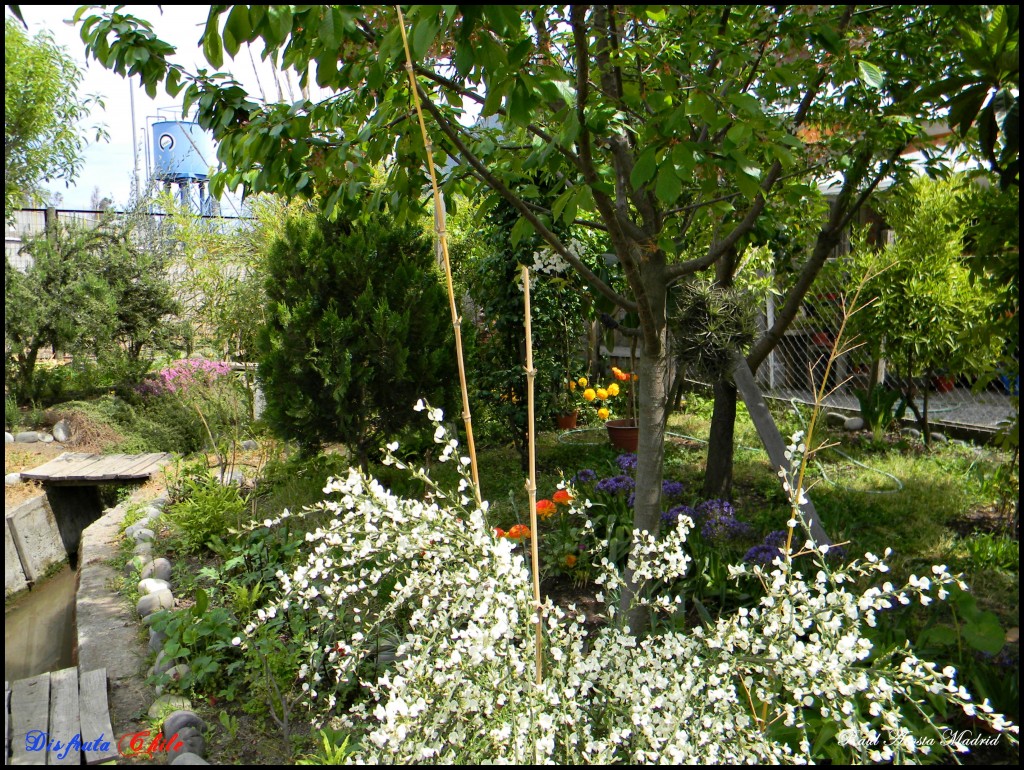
[[624, 433], [567, 402]]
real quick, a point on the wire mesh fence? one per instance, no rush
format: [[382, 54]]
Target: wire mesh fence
[[796, 368]]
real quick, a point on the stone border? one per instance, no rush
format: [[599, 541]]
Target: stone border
[[108, 627]]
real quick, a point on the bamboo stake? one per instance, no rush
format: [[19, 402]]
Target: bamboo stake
[[531, 483], [439, 226]]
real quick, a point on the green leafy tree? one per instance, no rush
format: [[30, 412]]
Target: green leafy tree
[[668, 129], [94, 291], [926, 316], [42, 113], [357, 329]]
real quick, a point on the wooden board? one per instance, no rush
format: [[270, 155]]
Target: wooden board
[[64, 723], [81, 468], [30, 710], [772, 439], [95, 716], [7, 720]]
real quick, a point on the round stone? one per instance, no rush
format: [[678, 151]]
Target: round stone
[[152, 585], [12, 479], [853, 423], [160, 600], [188, 758], [249, 445], [61, 431], [46, 438], [141, 535], [158, 568], [182, 719], [167, 704], [8, 437], [138, 564], [27, 437]]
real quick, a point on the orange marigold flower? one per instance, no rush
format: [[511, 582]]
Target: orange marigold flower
[[519, 532], [562, 497], [635, 377], [570, 560], [582, 382], [589, 394], [603, 413], [499, 532], [545, 508], [602, 393], [613, 389], [572, 385]]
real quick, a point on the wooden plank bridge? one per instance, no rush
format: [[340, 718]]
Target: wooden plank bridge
[[83, 469], [59, 718]]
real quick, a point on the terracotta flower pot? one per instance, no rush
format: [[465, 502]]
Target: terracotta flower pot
[[624, 434], [567, 421]]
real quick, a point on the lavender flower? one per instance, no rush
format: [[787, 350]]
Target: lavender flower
[[671, 516], [615, 485], [626, 462]]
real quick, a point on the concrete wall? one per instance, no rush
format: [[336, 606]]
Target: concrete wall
[[35, 539]]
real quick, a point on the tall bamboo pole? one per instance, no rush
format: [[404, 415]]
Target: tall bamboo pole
[[531, 484], [439, 225]]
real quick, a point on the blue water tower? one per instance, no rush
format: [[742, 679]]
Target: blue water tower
[[183, 155]]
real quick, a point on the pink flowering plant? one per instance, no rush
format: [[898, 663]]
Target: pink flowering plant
[[182, 375]]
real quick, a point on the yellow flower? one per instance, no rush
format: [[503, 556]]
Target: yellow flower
[[613, 389], [572, 385], [589, 394], [582, 382], [602, 393], [603, 413]]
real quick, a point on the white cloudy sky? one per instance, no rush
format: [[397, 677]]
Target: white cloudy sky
[[109, 165]]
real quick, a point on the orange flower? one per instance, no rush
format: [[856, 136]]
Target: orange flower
[[499, 532], [603, 413], [570, 560], [602, 393], [562, 497], [546, 508], [589, 394], [620, 375], [519, 532], [613, 389]]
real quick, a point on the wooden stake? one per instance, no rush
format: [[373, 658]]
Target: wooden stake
[[531, 484], [439, 224]]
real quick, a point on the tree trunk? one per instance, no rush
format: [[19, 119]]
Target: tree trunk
[[718, 475], [653, 412]]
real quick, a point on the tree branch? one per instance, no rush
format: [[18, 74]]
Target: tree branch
[[502, 189]]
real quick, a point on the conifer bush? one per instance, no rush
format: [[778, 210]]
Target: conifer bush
[[357, 327]]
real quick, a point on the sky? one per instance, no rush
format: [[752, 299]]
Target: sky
[[109, 166]]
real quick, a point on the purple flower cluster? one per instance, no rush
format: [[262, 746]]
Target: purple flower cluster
[[769, 550], [672, 490], [710, 509], [585, 476], [724, 529], [183, 374], [671, 516], [615, 485], [626, 462]]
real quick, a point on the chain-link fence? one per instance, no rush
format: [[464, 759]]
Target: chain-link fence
[[795, 369]]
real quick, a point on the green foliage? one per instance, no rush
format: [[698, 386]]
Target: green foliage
[[988, 551], [42, 110], [89, 292], [334, 749], [209, 509], [876, 407], [921, 288], [709, 325], [560, 308], [357, 329]]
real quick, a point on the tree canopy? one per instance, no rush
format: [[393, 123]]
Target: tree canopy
[[670, 130], [42, 112]]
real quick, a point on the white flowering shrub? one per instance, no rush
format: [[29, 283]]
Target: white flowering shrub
[[772, 683]]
